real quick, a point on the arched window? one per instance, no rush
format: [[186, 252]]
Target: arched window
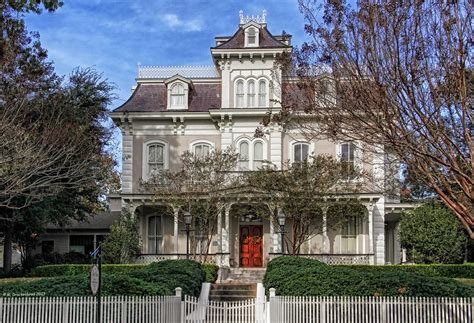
[[257, 155], [201, 149], [244, 155], [262, 93], [252, 36], [156, 158], [155, 235], [348, 151], [239, 102], [250, 93], [300, 152], [177, 95]]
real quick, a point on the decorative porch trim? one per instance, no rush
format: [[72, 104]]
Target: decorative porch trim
[[334, 259]]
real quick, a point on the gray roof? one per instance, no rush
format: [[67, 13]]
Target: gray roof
[[98, 221], [164, 72]]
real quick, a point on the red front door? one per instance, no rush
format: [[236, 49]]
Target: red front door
[[251, 246]]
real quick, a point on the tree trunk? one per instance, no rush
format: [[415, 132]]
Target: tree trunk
[[7, 248]]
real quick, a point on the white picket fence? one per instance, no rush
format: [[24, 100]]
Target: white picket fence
[[114, 309], [294, 309], [277, 309]]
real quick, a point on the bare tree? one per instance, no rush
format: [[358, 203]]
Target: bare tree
[[396, 75], [304, 189], [198, 186]]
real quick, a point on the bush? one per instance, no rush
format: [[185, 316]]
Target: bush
[[187, 274], [432, 234], [438, 270], [159, 278], [305, 277], [211, 271], [71, 269]]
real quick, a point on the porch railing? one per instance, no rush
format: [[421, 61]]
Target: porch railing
[[147, 259], [335, 259]]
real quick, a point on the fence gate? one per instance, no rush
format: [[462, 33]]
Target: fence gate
[[247, 311]]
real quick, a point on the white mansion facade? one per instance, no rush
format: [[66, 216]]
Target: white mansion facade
[[178, 108]]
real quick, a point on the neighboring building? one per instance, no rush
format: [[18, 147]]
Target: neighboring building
[[178, 108]]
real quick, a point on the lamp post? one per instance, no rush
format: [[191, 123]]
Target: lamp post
[[188, 219], [281, 221]]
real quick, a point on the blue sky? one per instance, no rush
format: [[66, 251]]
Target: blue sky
[[114, 36]]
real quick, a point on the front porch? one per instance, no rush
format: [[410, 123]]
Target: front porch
[[248, 240]]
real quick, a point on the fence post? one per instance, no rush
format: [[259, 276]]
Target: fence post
[[65, 310], [274, 312], [179, 305]]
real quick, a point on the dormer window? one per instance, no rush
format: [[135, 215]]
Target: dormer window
[[178, 88], [251, 36], [177, 96]]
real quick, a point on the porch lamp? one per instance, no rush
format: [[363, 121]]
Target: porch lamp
[[188, 219], [281, 221]]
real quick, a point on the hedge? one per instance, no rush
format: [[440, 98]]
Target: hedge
[[305, 277], [72, 269], [448, 271], [156, 279]]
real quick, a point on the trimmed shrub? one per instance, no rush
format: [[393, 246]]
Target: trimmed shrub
[[431, 234], [159, 278], [211, 271], [438, 270], [305, 277], [68, 270]]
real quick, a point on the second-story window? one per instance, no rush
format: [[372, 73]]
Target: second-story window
[[156, 158], [177, 95], [239, 102], [348, 151], [300, 152], [257, 155], [262, 93], [251, 93], [244, 155], [201, 150]]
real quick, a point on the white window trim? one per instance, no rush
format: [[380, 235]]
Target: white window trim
[[197, 142], [166, 156], [291, 152], [186, 90], [267, 92], [148, 230], [257, 36], [251, 143], [245, 99], [357, 155]]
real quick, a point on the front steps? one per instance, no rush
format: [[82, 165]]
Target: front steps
[[230, 292], [244, 275]]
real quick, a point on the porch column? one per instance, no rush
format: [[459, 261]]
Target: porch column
[[175, 229], [326, 246], [276, 235], [370, 210], [225, 237]]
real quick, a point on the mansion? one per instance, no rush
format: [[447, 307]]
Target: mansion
[[174, 109]]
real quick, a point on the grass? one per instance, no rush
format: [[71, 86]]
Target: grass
[[15, 280], [465, 281]]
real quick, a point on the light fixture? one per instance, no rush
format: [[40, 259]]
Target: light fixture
[[188, 218], [281, 218]]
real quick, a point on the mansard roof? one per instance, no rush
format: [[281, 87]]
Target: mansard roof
[[266, 40], [153, 98]]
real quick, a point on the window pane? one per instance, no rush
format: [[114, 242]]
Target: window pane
[[344, 152], [305, 151], [251, 93], [152, 245], [244, 151], [240, 94], [297, 149], [152, 226], [262, 96], [258, 151], [351, 151]]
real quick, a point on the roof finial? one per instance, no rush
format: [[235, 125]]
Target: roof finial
[[241, 15], [264, 16]]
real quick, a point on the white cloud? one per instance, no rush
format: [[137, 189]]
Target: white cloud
[[174, 22]]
